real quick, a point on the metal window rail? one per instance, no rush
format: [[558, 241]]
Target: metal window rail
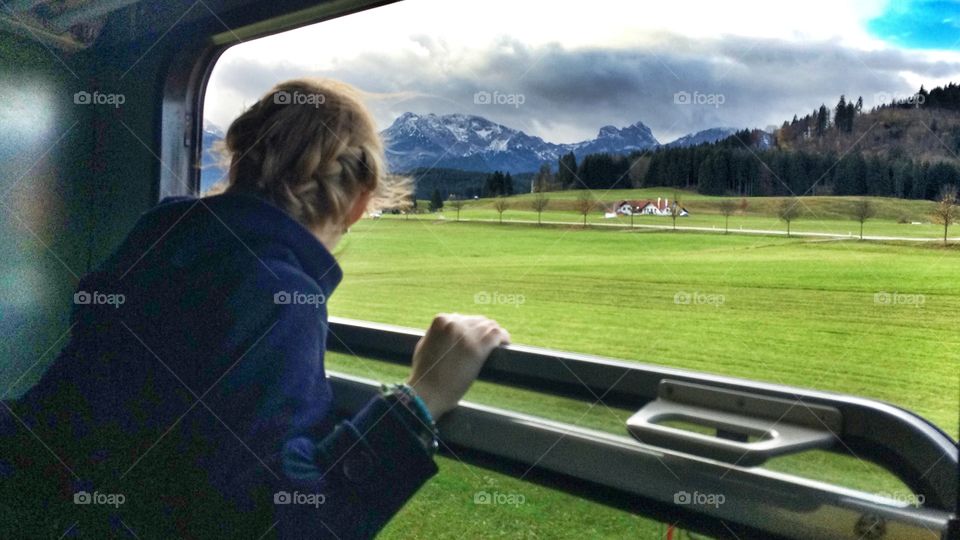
[[651, 478]]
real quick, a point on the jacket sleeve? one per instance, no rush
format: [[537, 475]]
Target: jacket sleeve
[[326, 479]]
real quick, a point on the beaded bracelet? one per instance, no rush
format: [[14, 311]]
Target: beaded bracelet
[[426, 427]]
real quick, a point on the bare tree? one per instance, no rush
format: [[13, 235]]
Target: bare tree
[[788, 211], [727, 208], [861, 211], [539, 203], [585, 204], [457, 204], [946, 212], [501, 205], [675, 210]]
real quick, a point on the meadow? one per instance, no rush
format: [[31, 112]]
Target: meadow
[[865, 318]]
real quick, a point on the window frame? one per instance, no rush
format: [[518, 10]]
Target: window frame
[[185, 85], [180, 144]]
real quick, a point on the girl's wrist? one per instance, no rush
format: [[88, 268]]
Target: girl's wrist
[[428, 400], [421, 419]]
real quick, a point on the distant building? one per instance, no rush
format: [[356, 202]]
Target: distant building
[[659, 207], [626, 208]]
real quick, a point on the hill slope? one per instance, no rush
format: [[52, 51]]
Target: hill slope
[[928, 135]]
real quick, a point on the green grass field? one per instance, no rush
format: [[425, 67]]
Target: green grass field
[[865, 318]]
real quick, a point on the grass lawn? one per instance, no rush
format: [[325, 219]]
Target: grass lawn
[[870, 319]]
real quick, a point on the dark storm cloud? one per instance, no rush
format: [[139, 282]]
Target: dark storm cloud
[[568, 95]]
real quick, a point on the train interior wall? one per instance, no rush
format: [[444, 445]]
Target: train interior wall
[[73, 180]]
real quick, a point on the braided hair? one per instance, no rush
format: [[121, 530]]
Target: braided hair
[[310, 147]]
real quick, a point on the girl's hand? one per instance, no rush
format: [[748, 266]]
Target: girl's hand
[[448, 358]]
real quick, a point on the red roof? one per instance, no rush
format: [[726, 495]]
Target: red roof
[[640, 205], [662, 206]]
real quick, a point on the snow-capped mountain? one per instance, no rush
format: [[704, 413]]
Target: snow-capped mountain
[[474, 143], [468, 142], [210, 171], [636, 137], [711, 135]]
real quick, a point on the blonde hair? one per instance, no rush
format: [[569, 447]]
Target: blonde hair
[[310, 147]]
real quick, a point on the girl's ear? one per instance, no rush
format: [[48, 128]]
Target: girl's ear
[[359, 207]]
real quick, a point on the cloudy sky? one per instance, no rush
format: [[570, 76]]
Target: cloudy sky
[[558, 70]]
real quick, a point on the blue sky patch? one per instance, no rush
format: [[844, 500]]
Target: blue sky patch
[[919, 24]]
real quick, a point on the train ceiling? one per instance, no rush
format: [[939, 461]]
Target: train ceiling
[[68, 25]]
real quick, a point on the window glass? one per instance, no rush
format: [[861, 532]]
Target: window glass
[[763, 191]]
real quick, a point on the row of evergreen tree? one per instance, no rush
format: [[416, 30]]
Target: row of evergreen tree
[[941, 97], [725, 169], [498, 184], [722, 170], [820, 121]]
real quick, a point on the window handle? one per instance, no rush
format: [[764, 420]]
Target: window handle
[[732, 426]]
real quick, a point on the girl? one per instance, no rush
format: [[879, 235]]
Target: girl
[[191, 399]]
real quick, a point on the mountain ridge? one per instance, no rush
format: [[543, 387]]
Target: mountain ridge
[[471, 142], [474, 143]]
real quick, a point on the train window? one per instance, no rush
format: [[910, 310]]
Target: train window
[[765, 193]]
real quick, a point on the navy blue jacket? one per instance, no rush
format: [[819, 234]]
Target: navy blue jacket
[[191, 399]]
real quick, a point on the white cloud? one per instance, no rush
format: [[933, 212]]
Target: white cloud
[[431, 55]]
